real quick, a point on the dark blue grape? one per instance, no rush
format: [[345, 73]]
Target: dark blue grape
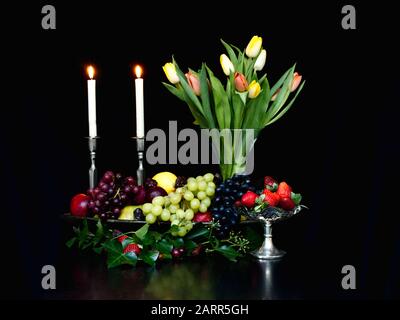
[[214, 210], [139, 214], [217, 216]]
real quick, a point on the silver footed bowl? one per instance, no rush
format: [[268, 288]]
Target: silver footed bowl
[[267, 217]]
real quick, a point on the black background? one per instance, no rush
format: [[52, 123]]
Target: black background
[[338, 145]]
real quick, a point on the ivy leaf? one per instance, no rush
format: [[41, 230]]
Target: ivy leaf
[[115, 256], [140, 233], [82, 236], [70, 242], [99, 233], [228, 252], [255, 239], [98, 250], [156, 236], [149, 256], [190, 245], [164, 246], [197, 232], [178, 243]]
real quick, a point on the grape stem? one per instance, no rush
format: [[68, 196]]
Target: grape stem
[[117, 193]]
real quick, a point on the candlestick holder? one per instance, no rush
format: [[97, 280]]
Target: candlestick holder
[[140, 151], [92, 170]]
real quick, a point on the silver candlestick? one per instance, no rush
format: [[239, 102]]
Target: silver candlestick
[[93, 169], [140, 151]]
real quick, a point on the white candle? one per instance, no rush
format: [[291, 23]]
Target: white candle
[[139, 103], [91, 83]]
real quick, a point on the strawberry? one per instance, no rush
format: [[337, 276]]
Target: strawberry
[[270, 183], [122, 238], [249, 199], [272, 198], [202, 217], [284, 190], [132, 247], [286, 203]]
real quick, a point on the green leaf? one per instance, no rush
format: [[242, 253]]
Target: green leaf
[[221, 103], [198, 232], [178, 243], [99, 233], [175, 91], [231, 53], [205, 97], [83, 234], [228, 252], [255, 238], [70, 242], [281, 97], [190, 95], [140, 233], [287, 107], [115, 256], [190, 245], [280, 81], [156, 235], [151, 238], [149, 257], [296, 197], [238, 110], [256, 109], [164, 246], [98, 250]]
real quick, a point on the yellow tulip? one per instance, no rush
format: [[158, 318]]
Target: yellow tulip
[[254, 47], [226, 64], [254, 89], [170, 72]]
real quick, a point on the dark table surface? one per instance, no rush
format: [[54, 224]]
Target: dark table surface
[[85, 276], [310, 270]]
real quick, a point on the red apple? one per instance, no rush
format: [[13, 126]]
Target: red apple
[[79, 205]]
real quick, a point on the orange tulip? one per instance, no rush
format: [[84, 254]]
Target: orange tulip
[[295, 84], [240, 82], [296, 81], [194, 82]]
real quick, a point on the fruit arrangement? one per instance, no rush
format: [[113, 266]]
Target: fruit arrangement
[[182, 204], [273, 194]]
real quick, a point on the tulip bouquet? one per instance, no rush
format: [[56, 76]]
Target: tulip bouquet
[[246, 102]]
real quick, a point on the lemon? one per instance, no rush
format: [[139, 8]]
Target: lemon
[[127, 213], [166, 180]]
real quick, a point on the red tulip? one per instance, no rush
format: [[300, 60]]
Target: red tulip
[[240, 82], [194, 82]]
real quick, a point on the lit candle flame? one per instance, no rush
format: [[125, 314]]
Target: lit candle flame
[[138, 71], [90, 71]]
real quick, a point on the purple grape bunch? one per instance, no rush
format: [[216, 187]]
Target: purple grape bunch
[[112, 193]]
